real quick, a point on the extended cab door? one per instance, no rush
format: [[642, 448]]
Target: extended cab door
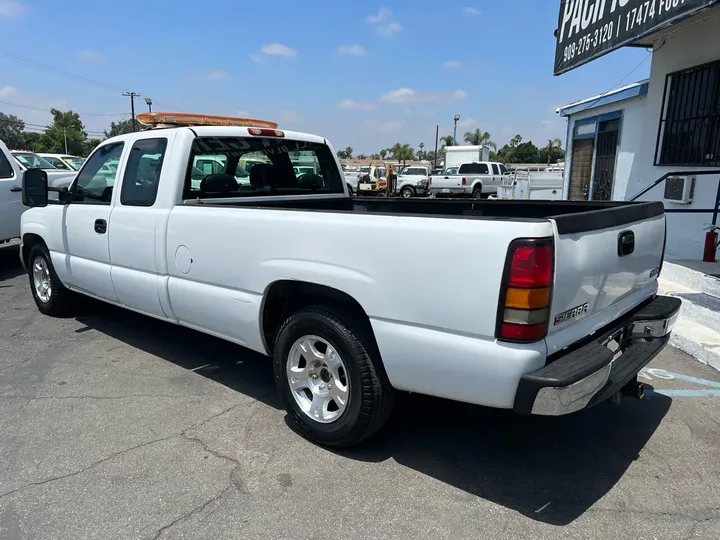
[[86, 224], [137, 233], [11, 207]]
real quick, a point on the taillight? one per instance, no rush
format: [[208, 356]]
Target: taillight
[[464, 182], [430, 181], [266, 132], [526, 291]]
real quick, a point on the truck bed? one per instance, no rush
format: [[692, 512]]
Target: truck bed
[[570, 216]]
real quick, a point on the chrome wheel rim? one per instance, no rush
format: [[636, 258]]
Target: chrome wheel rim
[[318, 379], [41, 279], [407, 193]]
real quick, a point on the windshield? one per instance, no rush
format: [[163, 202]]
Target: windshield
[[74, 162], [260, 167], [32, 161], [57, 162]]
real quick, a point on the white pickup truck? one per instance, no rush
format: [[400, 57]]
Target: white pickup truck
[[563, 314], [478, 180], [11, 207]]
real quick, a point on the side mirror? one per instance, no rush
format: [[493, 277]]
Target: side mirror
[[35, 188]]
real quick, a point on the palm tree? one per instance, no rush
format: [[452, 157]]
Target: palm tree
[[447, 140], [552, 144], [421, 154], [479, 138], [383, 153]]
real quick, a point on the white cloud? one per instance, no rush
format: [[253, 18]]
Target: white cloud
[[12, 8], [358, 105], [91, 56], [278, 49], [8, 91], [451, 64], [243, 114], [273, 49], [467, 122], [471, 11], [218, 75], [351, 50], [384, 23], [408, 95]]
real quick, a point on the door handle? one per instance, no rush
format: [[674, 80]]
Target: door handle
[[626, 243], [15, 189], [100, 226]]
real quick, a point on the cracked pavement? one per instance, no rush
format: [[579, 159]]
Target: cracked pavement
[[116, 426]]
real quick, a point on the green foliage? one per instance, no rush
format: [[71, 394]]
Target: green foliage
[[120, 128], [479, 137], [11, 131], [65, 134]]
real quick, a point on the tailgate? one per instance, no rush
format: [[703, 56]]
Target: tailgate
[[451, 181], [606, 262]]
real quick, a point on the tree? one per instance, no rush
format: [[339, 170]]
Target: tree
[[90, 145], [478, 138], [33, 141], [402, 152], [348, 152], [11, 131], [120, 128], [447, 140], [362, 156], [517, 139], [421, 153], [383, 153], [65, 134], [525, 153], [553, 148]]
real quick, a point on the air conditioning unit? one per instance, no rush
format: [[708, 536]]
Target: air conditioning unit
[[679, 189]]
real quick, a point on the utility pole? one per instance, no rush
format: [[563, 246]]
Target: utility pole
[[132, 96], [437, 129], [65, 137]]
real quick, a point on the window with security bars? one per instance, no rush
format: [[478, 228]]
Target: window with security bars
[[689, 131]]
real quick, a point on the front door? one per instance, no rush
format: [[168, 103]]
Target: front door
[[11, 207], [581, 169], [86, 224], [605, 155]]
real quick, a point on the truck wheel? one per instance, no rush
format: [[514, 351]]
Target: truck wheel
[[330, 379], [381, 194], [407, 192], [477, 193], [50, 295]]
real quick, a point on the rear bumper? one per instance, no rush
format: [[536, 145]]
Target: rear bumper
[[593, 372]]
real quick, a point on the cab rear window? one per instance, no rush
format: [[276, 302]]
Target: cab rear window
[[260, 167]]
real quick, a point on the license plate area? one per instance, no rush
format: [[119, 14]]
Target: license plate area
[[617, 341]]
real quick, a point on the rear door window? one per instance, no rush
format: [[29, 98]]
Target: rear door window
[[496, 169], [142, 174]]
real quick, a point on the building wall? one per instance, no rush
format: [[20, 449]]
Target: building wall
[[689, 46], [633, 119]]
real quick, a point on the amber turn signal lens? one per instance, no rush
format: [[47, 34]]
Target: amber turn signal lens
[[527, 298]]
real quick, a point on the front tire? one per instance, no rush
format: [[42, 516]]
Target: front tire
[[330, 378], [407, 192], [50, 295]]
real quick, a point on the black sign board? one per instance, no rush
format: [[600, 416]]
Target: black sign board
[[588, 29]]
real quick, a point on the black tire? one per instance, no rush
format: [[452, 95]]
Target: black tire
[[381, 194], [477, 193], [371, 396], [60, 298], [407, 192]]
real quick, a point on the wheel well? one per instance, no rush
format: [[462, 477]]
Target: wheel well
[[285, 297], [477, 185], [28, 241]]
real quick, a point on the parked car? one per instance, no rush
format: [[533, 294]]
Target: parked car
[[562, 312], [63, 161], [11, 175]]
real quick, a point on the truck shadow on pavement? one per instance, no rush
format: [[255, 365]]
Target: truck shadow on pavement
[[549, 469], [10, 266]]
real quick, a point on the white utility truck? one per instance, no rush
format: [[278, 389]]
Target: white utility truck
[[11, 207], [562, 315]]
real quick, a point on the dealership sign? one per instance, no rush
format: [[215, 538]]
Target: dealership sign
[[588, 29]]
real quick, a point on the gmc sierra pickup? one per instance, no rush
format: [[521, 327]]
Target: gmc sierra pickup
[[562, 315]]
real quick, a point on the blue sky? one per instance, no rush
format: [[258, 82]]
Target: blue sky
[[362, 74]]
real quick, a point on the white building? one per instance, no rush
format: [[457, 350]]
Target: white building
[[622, 142]]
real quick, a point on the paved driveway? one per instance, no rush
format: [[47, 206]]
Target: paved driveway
[[116, 426]]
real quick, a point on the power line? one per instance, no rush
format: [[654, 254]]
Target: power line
[[48, 110]]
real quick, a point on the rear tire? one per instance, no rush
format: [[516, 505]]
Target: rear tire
[[50, 295], [344, 357], [477, 193]]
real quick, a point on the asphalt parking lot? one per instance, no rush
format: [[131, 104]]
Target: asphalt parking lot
[[117, 426]]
